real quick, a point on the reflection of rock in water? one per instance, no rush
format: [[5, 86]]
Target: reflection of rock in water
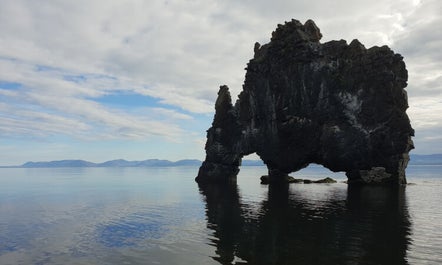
[[369, 226], [377, 227], [225, 217]]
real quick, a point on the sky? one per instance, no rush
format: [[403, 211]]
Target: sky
[[135, 79]]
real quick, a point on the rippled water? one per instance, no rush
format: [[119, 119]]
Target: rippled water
[[161, 216]]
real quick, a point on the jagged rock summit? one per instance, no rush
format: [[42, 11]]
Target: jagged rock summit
[[335, 104]]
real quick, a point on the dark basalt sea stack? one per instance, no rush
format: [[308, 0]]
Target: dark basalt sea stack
[[335, 104]]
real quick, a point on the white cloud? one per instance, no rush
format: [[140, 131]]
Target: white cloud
[[50, 104], [170, 114], [419, 42], [66, 53], [425, 112]]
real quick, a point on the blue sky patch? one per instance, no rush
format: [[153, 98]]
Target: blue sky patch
[[132, 100], [75, 78], [84, 77], [9, 85], [128, 100], [44, 68]]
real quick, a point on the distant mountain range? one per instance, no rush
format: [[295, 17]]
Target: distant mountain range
[[113, 163], [122, 163], [435, 159]]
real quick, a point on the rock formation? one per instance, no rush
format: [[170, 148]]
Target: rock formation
[[335, 104]]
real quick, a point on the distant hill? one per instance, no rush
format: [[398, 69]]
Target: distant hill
[[123, 163], [252, 163], [435, 159], [60, 163], [111, 163], [144, 163]]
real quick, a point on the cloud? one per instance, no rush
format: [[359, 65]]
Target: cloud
[[419, 41], [65, 54], [49, 103]]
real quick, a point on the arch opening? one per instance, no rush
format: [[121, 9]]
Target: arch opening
[[316, 172]]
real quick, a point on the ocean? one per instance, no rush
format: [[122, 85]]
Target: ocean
[[161, 216]]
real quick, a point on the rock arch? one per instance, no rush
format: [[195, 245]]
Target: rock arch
[[335, 104]]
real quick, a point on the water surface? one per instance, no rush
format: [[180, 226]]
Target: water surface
[[161, 216]]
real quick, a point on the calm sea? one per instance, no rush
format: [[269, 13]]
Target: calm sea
[[161, 216]]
